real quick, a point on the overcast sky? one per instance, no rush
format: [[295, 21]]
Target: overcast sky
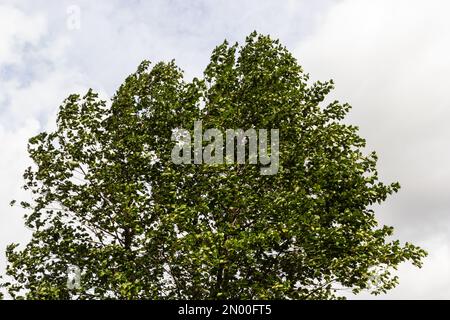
[[390, 60]]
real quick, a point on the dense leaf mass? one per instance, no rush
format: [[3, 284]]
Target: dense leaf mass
[[108, 199]]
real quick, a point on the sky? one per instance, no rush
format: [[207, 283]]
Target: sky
[[389, 59]]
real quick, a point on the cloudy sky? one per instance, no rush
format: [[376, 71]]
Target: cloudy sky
[[389, 59]]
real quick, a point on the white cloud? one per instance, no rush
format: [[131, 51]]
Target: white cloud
[[389, 59], [13, 162], [16, 31], [430, 282]]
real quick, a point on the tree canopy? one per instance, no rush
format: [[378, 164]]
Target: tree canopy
[[108, 199]]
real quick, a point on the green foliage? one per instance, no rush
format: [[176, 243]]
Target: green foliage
[[108, 199]]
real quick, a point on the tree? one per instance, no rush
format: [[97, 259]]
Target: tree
[[108, 198]]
